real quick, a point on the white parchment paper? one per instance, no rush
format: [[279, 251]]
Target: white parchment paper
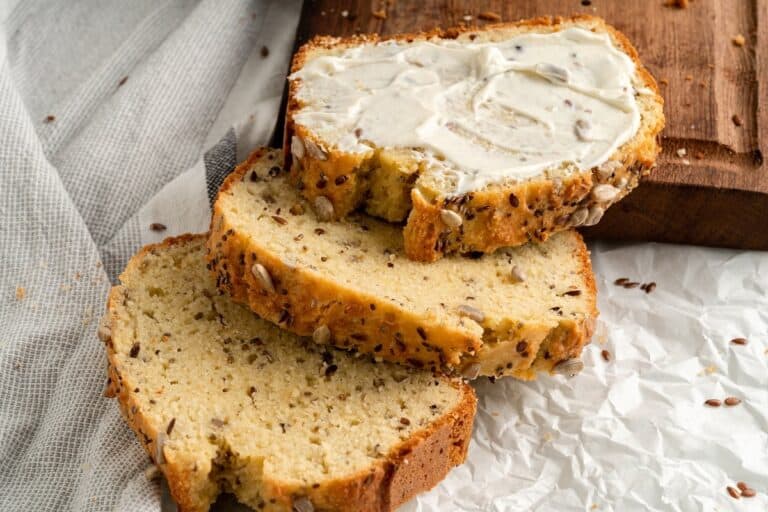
[[634, 433]]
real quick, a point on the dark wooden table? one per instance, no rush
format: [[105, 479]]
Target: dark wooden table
[[710, 187]]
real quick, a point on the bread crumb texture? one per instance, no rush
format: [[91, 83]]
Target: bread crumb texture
[[513, 312], [226, 402]]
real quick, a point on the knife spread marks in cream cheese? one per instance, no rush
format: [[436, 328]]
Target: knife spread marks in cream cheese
[[483, 112]]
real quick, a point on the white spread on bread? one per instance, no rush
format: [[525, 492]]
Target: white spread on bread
[[483, 111]]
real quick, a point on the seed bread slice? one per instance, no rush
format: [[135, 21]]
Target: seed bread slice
[[347, 283], [393, 182], [226, 402]]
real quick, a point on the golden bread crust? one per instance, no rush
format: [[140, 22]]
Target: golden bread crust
[[304, 300], [489, 220], [410, 467]]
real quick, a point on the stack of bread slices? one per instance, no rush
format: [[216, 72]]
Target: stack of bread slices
[[312, 351]]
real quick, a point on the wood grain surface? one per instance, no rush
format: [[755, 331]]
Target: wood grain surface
[[710, 187]]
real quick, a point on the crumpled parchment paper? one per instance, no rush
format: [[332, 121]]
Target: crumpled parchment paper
[[633, 433]]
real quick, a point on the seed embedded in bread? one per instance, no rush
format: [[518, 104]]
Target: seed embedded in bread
[[323, 208], [213, 421], [262, 275], [451, 218], [605, 192], [409, 183], [356, 283], [322, 335]]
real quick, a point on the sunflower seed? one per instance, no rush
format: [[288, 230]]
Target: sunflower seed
[[262, 275], [583, 130], [159, 445], [471, 371], [302, 504], [451, 218], [607, 169], [595, 214], [314, 151], [578, 217], [471, 312], [297, 147], [569, 367], [605, 192], [554, 74], [322, 335], [518, 276], [323, 208]]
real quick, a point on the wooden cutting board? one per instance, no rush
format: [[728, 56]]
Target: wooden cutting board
[[711, 184]]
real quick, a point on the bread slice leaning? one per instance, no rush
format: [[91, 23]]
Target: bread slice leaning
[[393, 183], [225, 402], [348, 283]]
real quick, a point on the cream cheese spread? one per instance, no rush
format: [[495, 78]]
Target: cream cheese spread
[[482, 112]]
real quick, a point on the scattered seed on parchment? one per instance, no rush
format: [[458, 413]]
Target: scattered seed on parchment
[[713, 402], [21, 292], [732, 400], [734, 492], [739, 341], [606, 356], [738, 40], [156, 226]]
